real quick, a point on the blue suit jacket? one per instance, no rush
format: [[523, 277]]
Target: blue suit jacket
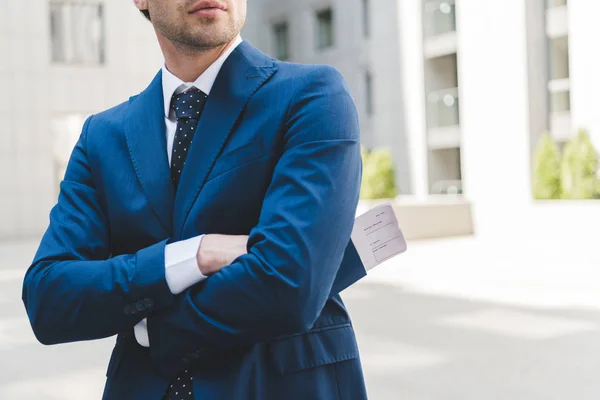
[[276, 156]]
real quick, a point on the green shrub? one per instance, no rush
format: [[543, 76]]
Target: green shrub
[[546, 169], [579, 168], [378, 174]]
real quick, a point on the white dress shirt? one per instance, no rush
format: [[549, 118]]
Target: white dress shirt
[[182, 269]]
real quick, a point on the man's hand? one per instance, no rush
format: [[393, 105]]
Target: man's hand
[[218, 251]]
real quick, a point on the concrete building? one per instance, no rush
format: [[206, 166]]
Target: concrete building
[[473, 86], [460, 90], [61, 61], [361, 39], [514, 85]]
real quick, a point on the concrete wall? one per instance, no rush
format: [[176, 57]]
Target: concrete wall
[[503, 99], [436, 217], [41, 101], [412, 75], [389, 120], [537, 70], [584, 31], [26, 191], [492, 64]]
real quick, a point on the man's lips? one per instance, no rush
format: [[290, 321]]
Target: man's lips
[[209, 6], [208, 12]]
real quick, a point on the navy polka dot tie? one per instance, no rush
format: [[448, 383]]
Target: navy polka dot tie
[[188, 108], [181, 388]]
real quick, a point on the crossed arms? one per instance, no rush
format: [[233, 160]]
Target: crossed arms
[[73, 291]]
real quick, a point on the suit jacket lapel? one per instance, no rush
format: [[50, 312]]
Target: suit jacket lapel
[[146, 140], [242, 74]]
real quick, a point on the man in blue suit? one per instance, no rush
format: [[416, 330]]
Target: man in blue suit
[[206, 222]]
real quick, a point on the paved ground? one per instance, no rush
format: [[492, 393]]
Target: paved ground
[[455, 319]]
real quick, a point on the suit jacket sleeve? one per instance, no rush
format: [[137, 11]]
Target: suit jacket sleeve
[[74, 290], [281, 286]]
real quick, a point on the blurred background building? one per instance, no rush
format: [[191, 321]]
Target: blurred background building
[[459, 90], [61, 61]]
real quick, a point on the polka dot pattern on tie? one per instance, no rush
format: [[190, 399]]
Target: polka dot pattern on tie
[[181, 388], [188, 108]]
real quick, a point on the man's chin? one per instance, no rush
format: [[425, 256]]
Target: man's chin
[[211, 41]]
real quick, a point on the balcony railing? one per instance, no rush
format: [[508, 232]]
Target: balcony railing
[[439, 17], [442, 108]]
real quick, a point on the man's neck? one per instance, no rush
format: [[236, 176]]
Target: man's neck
[[188, 65]]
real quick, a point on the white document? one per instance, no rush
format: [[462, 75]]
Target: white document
[[377, 236]]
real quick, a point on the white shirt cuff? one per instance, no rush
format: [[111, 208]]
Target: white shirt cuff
[[141, 333], [181, 265], [181, 272]]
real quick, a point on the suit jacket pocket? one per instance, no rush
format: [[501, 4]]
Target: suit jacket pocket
[[326, 345], [237, 157]]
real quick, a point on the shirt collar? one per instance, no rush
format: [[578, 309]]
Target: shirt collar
[[172, 84]]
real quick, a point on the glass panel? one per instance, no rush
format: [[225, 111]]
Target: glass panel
[[560, 101], [442, 108], [559, 58], [445, 174], [440, 17]]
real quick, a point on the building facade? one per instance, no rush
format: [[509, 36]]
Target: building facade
[[62, 61], [472, 84], [459, 90], [358, 37]]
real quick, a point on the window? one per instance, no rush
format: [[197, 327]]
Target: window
[[369, 93], [325, 29], [559, 58], [366, 18], [77, 33], [559, 86], [280, 32], [439, 17], [560, 101]]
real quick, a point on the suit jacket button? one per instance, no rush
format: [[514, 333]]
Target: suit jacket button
[[148, 303]]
